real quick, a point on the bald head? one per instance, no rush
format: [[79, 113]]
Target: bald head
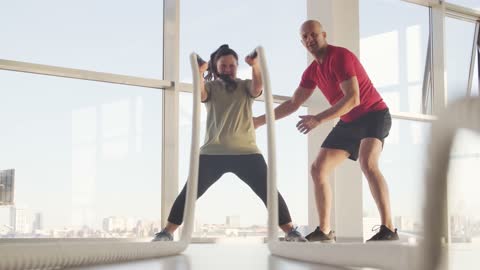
[[313, 37], [311, 24]]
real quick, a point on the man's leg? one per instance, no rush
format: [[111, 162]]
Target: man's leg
[[326, 161], [370, 150]]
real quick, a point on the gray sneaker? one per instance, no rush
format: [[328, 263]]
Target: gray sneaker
[[294, 236], [163, 236]]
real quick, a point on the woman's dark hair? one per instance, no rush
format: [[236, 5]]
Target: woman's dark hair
[[213, 73]]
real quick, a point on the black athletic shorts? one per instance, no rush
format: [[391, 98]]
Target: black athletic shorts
[[347, 136]]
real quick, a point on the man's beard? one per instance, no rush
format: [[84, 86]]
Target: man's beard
[[231, 84]]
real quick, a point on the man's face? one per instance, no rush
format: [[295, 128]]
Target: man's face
[[227, 65], [313, 37]]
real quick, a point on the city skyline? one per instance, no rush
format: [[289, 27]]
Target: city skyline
[[464, 229]]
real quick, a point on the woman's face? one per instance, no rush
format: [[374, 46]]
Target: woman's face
[[227, 65]]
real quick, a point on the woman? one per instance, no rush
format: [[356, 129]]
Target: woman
[[230, 137]]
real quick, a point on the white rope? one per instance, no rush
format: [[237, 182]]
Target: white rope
[[192, 185], [272, 197], [40, 254]]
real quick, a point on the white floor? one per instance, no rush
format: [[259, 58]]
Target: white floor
[[231, 256]]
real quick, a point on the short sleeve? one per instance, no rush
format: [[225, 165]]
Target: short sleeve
[[208, 89], [307, 80], [343, 66], [248, 88]]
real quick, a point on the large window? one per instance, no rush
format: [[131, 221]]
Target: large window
[[86, 156], [205, 25], [124, 37], [394, 52], [185, 133], [459, 42], [230, 199], [403, 165]]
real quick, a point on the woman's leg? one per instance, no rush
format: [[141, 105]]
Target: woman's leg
[[211, 168], [252, 169]]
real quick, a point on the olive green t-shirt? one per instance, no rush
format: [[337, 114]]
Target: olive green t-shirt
[[230, 128]]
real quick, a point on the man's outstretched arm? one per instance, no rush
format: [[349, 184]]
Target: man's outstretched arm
[[288, 107], [350, 99]]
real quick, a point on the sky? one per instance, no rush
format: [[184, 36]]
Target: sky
[[88, 150]]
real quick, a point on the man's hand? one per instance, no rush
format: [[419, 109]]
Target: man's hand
[[307, 123]]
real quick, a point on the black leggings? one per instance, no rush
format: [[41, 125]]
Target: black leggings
[[252, 169]]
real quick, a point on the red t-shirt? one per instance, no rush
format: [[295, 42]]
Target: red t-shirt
[[339, 65]]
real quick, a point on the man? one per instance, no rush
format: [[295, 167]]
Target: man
[[364, 124]]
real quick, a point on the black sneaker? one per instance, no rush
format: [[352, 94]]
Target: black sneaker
[[384, 234], [319, 236]]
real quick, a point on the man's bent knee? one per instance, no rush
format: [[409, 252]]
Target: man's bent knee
[[319, 175], [369, 167]]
